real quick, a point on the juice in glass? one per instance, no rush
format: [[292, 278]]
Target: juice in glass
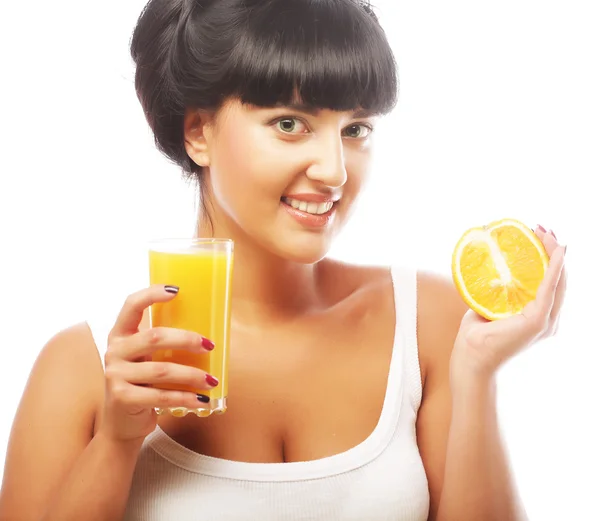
[[202, 268]]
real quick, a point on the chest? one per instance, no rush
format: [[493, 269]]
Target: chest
[[299, 392]]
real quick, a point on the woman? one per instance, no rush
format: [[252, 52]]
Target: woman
[[356, 392]]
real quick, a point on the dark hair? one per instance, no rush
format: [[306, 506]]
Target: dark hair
[[199, 53]]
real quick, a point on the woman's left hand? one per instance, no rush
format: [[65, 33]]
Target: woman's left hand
[[481, 346]]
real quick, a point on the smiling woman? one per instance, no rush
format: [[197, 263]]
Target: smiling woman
[[254, 153], [355, 392], [263, 75]]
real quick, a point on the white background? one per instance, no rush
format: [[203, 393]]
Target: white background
[[498, 117]]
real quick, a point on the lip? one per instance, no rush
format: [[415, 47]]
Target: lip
[[308, 219], [313, 198]]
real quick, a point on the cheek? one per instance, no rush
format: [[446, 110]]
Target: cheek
[[247, 162], [234, 167], [230, 159]]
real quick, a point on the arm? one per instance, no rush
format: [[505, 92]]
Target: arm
[[478, 483], [458, 433], [54, 470], [94, 489]]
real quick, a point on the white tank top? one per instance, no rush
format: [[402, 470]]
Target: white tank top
[[381, 479]]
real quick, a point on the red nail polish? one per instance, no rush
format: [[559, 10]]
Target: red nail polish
[[542, 228], [211, 380], [207, 344], [552, 233]]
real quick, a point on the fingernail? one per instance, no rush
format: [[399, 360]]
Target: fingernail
[[207, 344], [203, 398], [172, 289], [552, 233], [541, 228], [565, 251], [211, 380]]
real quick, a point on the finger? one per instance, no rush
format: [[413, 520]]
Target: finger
[[131, 313], [559, 298], [161, 373], [540, 232], [547, 238], [544, 300], [550, 243], [149, 397], [146, 342]]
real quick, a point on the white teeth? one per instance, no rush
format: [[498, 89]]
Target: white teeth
[[322, 208], [313, 208]]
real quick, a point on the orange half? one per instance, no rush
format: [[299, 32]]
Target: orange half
[[498, 268]]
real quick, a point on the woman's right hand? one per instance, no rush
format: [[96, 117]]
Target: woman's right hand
[[130, 400]]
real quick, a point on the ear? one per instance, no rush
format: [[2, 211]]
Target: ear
[[197, 132]]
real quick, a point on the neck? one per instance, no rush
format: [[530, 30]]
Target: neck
[[266, 288]]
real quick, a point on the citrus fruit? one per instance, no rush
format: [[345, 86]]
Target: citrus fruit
[[498, 268]]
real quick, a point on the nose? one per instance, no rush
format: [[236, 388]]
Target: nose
[[329, 164]]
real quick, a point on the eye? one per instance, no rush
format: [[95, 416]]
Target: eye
[[357, 131], [291, 126]]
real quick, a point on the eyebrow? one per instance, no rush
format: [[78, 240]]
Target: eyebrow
[[313, 111]]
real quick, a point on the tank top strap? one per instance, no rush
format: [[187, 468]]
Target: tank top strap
[[405, 294]]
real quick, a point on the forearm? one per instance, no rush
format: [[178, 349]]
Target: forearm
[[98, 486], [478, 483]]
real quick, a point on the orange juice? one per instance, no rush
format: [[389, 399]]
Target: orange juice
[[202, 268]]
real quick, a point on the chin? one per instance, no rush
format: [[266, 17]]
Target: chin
[[308, 257], [305, 250]]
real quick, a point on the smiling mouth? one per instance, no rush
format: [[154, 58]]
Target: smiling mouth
[[311, 208]]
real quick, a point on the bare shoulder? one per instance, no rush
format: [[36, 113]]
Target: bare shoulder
[[73, 352], [440, 307], [68, 370], [440, 310], [57, 410]]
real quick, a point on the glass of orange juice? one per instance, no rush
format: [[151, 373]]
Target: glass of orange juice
[[202, 268]]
